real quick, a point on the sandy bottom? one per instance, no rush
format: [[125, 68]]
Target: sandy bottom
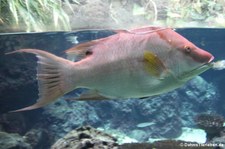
[[189, 134], [193, 134]]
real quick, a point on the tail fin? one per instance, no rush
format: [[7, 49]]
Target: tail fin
[[53, 75]]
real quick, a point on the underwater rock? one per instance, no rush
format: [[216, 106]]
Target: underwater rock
[[9, 123], [64, 116], [82, 138], [164, 113], [211, 123], [86, 137], [219, 140], [197, 96], [38, 138], [13, 141]]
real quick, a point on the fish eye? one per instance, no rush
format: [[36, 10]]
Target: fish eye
[[187, 49]]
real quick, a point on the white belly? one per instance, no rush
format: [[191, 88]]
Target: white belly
[[125, 79]]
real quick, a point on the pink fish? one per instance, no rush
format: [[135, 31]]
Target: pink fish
[[129, 64]]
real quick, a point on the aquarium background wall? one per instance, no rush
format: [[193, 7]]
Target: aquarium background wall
[[177, 115]]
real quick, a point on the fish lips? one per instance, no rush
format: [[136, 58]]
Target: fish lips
[[211, 59]]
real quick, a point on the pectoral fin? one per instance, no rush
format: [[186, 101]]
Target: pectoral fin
[[153, 65]]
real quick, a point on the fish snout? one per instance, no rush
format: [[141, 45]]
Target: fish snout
[[204, 56]]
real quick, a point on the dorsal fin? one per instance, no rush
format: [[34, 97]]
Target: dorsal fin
[[143, 30], [147, 30]]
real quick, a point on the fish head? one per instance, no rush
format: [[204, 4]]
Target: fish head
[[193, 61], [185, 59]]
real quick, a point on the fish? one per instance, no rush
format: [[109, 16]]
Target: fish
[[136, 63], [145, 124]]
